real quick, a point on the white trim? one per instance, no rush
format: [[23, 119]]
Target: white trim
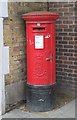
[[3, 8], [5, 61], [1, 44], [2, 86], [3, 66], [2, 95], [1, 32]]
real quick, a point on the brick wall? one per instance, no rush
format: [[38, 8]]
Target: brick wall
[[14, 37], [66, 46]]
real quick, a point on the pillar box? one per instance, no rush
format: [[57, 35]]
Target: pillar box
[[41, 59]]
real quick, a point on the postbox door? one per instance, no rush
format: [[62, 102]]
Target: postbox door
[[40, 56]]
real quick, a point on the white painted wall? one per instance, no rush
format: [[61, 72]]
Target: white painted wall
[[4, 56]]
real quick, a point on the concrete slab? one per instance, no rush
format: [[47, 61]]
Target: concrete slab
[[0, 117], [67, 111], [14, 93]]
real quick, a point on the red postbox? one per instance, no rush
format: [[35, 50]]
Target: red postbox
[[41, 59]]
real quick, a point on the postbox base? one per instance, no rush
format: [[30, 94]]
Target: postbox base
[[40, 98]]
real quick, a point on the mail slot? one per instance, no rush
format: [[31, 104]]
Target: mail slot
[[38, 29], [41, 59]]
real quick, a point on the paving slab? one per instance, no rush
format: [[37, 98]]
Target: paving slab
[[66, 111]]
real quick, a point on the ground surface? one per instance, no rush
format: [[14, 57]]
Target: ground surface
[[67, 111], [64, 108]]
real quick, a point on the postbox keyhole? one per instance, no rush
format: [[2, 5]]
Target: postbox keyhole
[[50, 57]]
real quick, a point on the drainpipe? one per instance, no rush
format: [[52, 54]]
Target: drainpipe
[[4, 55]]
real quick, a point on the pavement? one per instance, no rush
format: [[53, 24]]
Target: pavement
[[66, 111]]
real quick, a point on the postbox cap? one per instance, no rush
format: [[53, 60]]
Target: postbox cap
[[40, 16]]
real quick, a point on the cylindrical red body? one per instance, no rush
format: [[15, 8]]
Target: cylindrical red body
[[41, 48]]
